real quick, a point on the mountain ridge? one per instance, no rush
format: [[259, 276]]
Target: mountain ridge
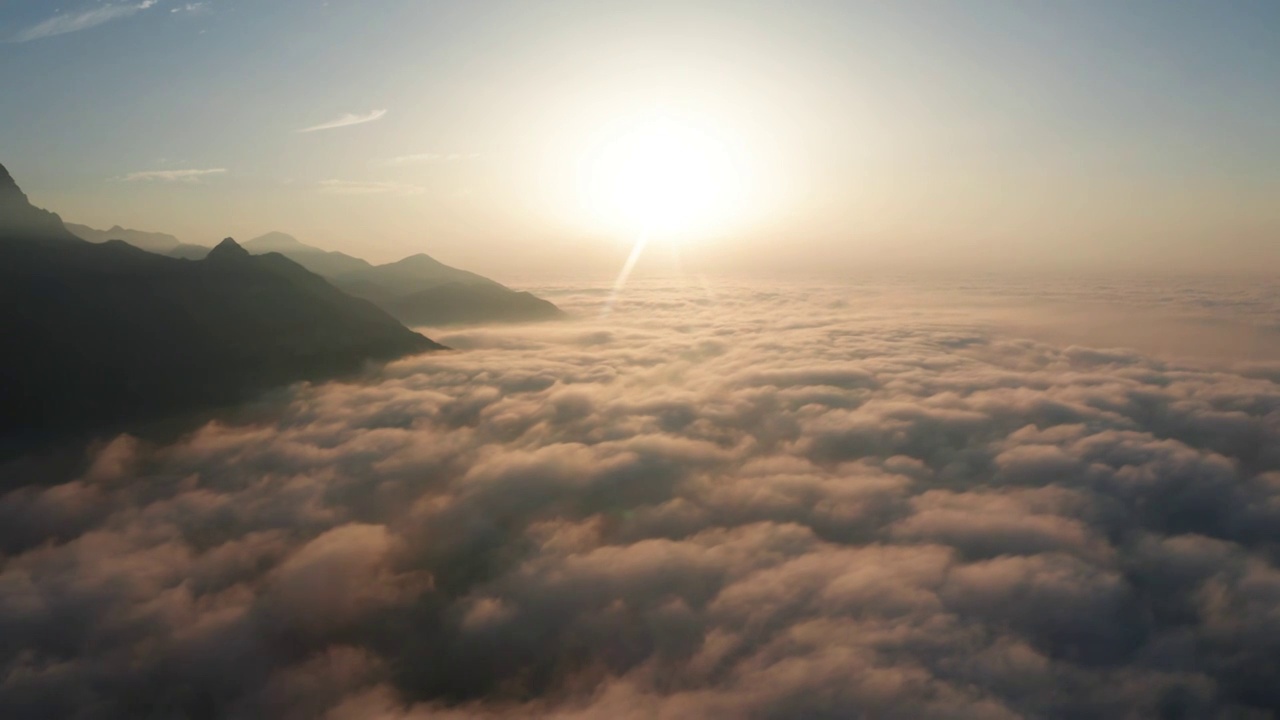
[[417, 290], [156, 242], [19, 217], [102, 335]]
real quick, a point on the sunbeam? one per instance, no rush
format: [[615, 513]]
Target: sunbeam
[[621, 282]]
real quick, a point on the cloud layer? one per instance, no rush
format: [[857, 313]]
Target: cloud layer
[[76, 21], [763, 503], [346, 121]]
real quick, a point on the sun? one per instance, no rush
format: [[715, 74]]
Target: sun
[[663, 176]]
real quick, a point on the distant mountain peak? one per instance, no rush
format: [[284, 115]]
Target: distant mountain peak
[[322, 262], [419, 260], [276, 241], [277, 235], [228, 249]]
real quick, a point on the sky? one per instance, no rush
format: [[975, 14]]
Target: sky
[[826, 136]]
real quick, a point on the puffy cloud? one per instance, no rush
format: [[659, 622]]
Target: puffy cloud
[[772, 503]]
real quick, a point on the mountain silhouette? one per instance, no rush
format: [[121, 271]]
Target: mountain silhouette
[[101, 335], [150, 241], [416, 273], [19, 217], [418, 290], [454, 303]]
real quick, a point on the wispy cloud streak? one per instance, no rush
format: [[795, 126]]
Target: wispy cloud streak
[[76, 21], [346, 121], [169, 175]]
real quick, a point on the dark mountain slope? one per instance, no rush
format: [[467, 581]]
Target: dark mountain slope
[[100, 335], [456, 303], [20, 217]]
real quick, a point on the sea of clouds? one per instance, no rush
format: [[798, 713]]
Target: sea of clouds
[[730, 501]]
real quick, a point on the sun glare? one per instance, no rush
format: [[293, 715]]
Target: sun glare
[[664, 176]]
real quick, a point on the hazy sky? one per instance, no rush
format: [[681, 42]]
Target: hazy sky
[[1076, 135]]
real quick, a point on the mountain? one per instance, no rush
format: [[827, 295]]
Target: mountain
[[187, 251], [413, 274], [101, 335], [20, 217], [459, 303], [418, 290], [150, 241], [156, 242], [320, 262]]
